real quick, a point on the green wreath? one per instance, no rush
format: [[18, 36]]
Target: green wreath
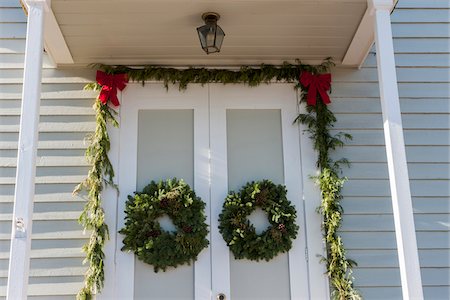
[[240, 234], [144, 235]]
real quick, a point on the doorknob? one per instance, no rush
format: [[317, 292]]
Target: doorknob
[[221, 296]]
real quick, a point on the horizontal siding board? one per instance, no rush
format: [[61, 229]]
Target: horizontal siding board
[[389, 258], [377, 293], [380, 171], [377, 154], [13, 30], [383, 205], [435, 276], [436, 292], [403, 75], [410, 121], [48, 198], [418, 16], [424, 30], [437, 45], [416, 4], [9, 46], [407, 90], [414, 60], [379, 277]]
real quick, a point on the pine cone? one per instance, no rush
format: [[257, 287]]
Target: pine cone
[[164, 203], [282, 228], [154, 233], [187, 229]]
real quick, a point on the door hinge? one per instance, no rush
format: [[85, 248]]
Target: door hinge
[[306, 254]]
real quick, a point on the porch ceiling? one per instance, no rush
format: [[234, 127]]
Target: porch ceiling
[[164, 31]]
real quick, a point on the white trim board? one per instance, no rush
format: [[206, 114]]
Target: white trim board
[[363, 39]]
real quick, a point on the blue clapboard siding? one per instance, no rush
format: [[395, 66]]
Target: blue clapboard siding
[[66, 117], [421, 32]]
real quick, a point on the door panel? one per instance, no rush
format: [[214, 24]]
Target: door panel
[[162, 134], [254, 147], [165, 150], [253, 138]]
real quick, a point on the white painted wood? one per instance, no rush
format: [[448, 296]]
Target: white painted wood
[[319, 286], [110, 197], [309, 30], [220, 254], [19, 262], [55, 44], [396, 155], [361, 43], [298, 261], [123, 283], [154, 96]]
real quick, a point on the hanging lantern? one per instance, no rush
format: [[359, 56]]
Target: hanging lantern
[[211, 35]]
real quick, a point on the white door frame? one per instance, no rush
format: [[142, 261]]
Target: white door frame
[[119, 266]]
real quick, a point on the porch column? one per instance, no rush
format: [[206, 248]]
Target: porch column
[[395, 149], [19, 259]]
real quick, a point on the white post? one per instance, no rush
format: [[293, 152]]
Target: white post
[[19, 260], [396, 156]]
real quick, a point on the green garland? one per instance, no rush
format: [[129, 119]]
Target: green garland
[[93, 217], [319, 120], [143, 233], [240, 235]]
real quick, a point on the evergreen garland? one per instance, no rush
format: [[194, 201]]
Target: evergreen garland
[[252, 76], [319, 120], [144, 235], [93, 217], [240, 235]]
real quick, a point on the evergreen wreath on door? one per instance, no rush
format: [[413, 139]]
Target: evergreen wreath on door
[[154, 245], [240, 235]]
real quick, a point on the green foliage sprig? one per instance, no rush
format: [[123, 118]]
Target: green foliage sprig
[[240, 235], [144, 235], [319, 121], [93, 217]]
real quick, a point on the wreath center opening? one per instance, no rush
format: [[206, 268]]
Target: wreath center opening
[[166, 223], [260, 220]]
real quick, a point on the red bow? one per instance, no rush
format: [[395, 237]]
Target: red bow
[[110, 83], [317, 83]]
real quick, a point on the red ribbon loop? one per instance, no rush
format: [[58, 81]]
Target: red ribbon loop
[[316, 83], [110, 83]]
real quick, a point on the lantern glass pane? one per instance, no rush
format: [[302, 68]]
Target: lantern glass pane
[[219, 37], [203, 34]]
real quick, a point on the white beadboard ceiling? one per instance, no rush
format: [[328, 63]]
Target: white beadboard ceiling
[[164, 31]]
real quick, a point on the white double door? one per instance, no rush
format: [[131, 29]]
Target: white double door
[[216, 138]]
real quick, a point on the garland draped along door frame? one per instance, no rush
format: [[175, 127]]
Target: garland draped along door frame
[[314, 83]]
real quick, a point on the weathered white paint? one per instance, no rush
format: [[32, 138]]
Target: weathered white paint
[[19, 263], [396, 155]]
